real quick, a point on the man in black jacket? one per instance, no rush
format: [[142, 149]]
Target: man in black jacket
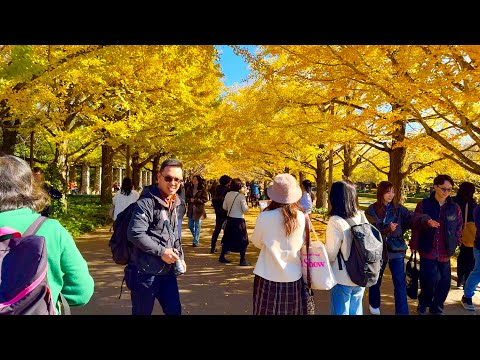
[[436, 243], [157, 253], [220, 214], [54, 193]]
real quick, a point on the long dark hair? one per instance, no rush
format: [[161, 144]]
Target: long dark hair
[[127, 186], [382, 189], [343, 198], [465, 192]]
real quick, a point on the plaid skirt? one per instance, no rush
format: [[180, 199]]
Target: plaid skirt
[[278, 298]]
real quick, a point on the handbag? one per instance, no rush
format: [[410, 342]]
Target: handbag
[[307, 295], [315, 263], [224, 224], [469, 231], [412, 273], [307, 292]]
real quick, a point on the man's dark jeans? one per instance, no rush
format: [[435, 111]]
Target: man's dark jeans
[[435, 278], [219, 219], [145, 288]]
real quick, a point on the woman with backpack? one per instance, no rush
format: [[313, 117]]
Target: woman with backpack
[[345, 297], [21, 200], [393, 220]]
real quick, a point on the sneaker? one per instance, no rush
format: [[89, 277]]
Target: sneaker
[[421, 310], [194, 245], [374, 311], [467, 303], [245, 263]]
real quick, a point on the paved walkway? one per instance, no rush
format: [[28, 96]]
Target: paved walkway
[[210, 287]]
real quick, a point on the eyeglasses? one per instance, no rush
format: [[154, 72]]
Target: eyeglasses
[[445, 190], [169, 179]]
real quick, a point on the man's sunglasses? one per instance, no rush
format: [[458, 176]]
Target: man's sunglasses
[[169, 179]]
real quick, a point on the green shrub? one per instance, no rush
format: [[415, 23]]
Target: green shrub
[[85, 213]]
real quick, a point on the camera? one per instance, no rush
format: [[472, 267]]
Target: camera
[[179, 268]]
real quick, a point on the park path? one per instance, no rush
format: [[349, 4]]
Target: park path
[[209, 287]]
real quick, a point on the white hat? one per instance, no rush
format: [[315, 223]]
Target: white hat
[[284, 189]]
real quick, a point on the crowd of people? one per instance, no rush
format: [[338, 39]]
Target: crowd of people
[[155, 233]]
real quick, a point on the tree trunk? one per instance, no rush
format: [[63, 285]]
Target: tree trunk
[[107, 163], [97, 185], [9, 139], [321, 173], [347, 165], [301, 176], [62, 164], [397, 159], [85, 189], [128, 167], [135, 170]]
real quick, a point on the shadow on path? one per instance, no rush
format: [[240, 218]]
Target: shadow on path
[[209, 287]]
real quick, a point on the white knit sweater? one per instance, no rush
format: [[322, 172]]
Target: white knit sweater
[[279, 258]]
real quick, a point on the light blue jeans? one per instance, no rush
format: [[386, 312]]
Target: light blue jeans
[[346, 300], [474, 277], [194, 226]]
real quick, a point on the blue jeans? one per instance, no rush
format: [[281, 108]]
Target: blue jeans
[[346, 300], [145, 288], [194, 226], [474, 277], [397, 268]]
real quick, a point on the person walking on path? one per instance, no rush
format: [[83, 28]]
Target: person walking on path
[[465, 260], [392, 220], [306, 201], [279, 233], [124, 197], [54, 193], [182, 209], [436, 241], [235, 236], [345, 297], [153, 231], [21, 198], [218, 196], [196, 196]]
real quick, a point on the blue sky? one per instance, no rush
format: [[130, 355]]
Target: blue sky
[[235, 70]]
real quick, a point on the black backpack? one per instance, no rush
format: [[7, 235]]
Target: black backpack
[[119, 244], [365, 260]]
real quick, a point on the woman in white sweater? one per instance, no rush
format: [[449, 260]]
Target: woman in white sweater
[[279, 234], [345, 297], [124, 197]]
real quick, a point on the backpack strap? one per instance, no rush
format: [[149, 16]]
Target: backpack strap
[[340, 255], [351, 222], [33, 228]]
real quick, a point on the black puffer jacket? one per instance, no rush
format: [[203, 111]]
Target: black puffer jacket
[[152, 229]]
